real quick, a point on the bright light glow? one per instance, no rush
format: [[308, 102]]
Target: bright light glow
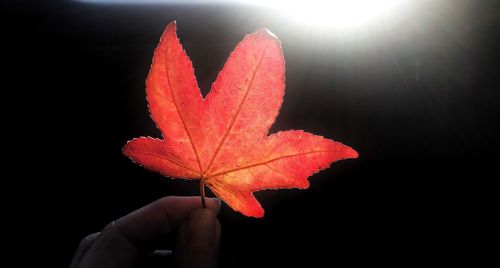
[[337, 14]]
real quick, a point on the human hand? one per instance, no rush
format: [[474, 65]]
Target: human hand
[[124, 241]]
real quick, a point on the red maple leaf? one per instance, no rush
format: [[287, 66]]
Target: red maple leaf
[[223, 139]]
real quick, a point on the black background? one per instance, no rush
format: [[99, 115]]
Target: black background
[[418, 99]]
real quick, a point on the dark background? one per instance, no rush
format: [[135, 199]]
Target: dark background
[[418, 99]]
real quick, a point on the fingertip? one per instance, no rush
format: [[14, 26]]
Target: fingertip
[[201, 216], [198, 240]]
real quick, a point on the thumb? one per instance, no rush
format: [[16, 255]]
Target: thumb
[[198, 240]]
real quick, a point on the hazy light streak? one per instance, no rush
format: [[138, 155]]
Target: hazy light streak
[[338, 15]]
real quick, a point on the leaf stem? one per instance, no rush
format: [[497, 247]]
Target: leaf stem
[[202, 192]]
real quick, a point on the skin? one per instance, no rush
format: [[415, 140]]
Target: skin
[[128, 240]]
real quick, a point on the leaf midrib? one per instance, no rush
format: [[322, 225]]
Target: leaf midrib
[[240, 106], [180, 115]]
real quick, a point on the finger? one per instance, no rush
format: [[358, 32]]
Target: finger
[[112, 250], [82, 249], [163, 253], [158, 258], [120, 242], [157, 219], [198, 240]]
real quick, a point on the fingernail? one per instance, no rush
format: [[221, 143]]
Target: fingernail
[[218, 203]]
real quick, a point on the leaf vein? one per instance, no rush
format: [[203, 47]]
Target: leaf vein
[[262, 163], [165, 158]]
